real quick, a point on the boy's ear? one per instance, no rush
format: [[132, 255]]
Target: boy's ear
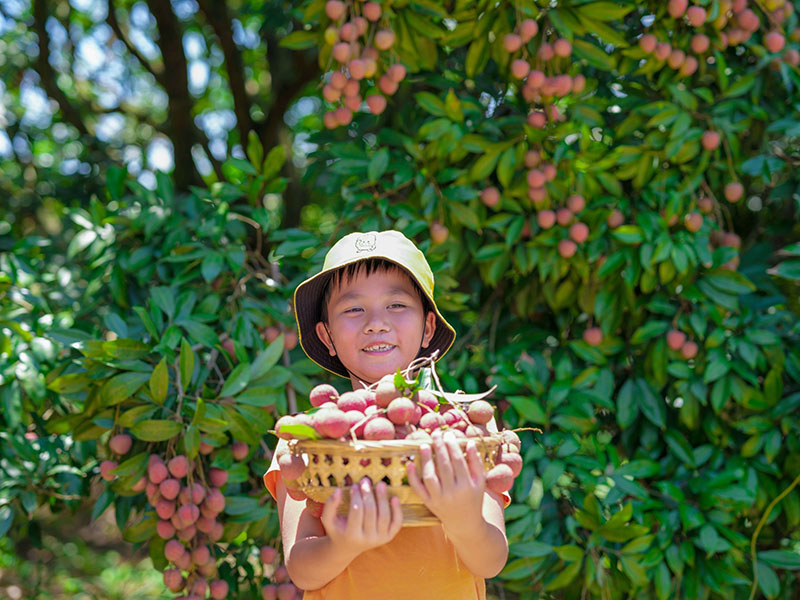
[[430, 328], [322, 334]]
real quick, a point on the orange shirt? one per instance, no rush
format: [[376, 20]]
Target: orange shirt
[[419, 563]]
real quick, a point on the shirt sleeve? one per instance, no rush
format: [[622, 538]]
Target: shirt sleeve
[[274, 472]]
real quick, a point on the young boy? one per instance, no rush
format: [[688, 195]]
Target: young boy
[[369, 312]]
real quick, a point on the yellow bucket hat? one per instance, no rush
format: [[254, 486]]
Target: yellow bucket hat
[[389, 245]]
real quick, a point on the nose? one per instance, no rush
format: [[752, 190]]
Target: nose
[[376, 322]]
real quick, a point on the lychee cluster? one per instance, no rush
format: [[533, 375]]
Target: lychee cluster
[[389, 413], [735, 24], [279, 586], [544, 73], [575, 232], [189, 519], [678, 342], [358, 43]]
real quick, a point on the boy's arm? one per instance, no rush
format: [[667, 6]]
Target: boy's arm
[[453, 486], [314, 558]]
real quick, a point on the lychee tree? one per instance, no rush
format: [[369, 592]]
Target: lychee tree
[[602, 188], [608, 193]]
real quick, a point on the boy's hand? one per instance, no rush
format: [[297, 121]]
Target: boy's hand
[[371, 521], [452, 484]]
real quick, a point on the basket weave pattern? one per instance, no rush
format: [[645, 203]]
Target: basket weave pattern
[[333, 463]]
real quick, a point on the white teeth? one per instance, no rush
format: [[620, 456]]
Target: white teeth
[[378, 348]]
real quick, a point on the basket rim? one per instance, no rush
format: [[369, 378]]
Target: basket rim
[[315, 445]]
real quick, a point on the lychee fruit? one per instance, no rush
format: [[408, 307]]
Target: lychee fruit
[[372, 11], [774, 41], [331, 423], [490, 196], [384, 39], [439, 232], [480, 412], [710, 140], [689, 350], [105, 469], [379, 428], [500, 478], [173, 550], [291, 466], [400, 411], [396, 72], [376, 104], [579, 232], [693, 221], [512, 42], [696, 15], [734, 191], [240, 450], [648, 43], [562, 48], [576, 203], [677, 8], [593, 336], [169, 488], [334, 9], [546, 219], [179, 466], [520, 68], [120, 443], [567, 248], [527, 29], [615, 219], [218, 589], [675, 339]]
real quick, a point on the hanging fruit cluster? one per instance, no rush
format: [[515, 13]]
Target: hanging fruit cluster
[[360, 47]]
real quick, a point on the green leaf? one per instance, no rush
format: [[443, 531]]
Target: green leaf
[[300, 40], [126, 349], [634, 571], [569, 553], [267, 358], [121, 387], [274, 161], [237, 380], [768, 580], [593, 55], [200, 333], [186, 364], [378, 164], [741, 86], [301, 432], [679, 446], [605, 11], [648, 331], [430, 103], [565, 577], [627, 407], [788, 269], [781, 559], [628, 234], [159, 382], [164, 298], [652, 404], [153, 430], [6, 519], [212, 265]]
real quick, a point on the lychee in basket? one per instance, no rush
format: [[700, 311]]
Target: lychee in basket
[[335, 463]]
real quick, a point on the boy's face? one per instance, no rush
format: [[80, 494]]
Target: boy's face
[[376, 324]]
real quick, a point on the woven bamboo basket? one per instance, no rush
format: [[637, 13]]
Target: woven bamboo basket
[[333, 463]]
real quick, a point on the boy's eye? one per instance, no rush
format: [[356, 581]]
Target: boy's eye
[[397, 305], [355, 309]]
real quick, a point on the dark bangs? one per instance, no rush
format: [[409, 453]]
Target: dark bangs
[[364, 267]]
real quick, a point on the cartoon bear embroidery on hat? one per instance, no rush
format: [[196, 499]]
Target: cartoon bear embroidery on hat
[[366, 243]]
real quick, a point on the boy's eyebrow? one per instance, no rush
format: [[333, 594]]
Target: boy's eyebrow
[[354, 295]]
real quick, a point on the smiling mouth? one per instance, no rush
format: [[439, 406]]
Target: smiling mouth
[[379, 349]]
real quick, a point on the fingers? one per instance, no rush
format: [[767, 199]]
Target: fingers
[[397, 517], [475, 464], [383, 508], [369, 524], [461, 472], [429, 477], [443, 465], [328, 516], [355, 517], [415, 482]]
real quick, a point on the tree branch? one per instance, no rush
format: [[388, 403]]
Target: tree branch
[[47, 73], [180, 126], [217, 15], [111, 19]]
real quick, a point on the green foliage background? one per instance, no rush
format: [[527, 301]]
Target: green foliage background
[[655, 477]]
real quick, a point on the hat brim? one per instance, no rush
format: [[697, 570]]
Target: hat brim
[[307, 309]]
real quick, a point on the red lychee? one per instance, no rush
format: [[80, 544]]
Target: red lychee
[[593, 336], [120, 443], [675, 339]]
